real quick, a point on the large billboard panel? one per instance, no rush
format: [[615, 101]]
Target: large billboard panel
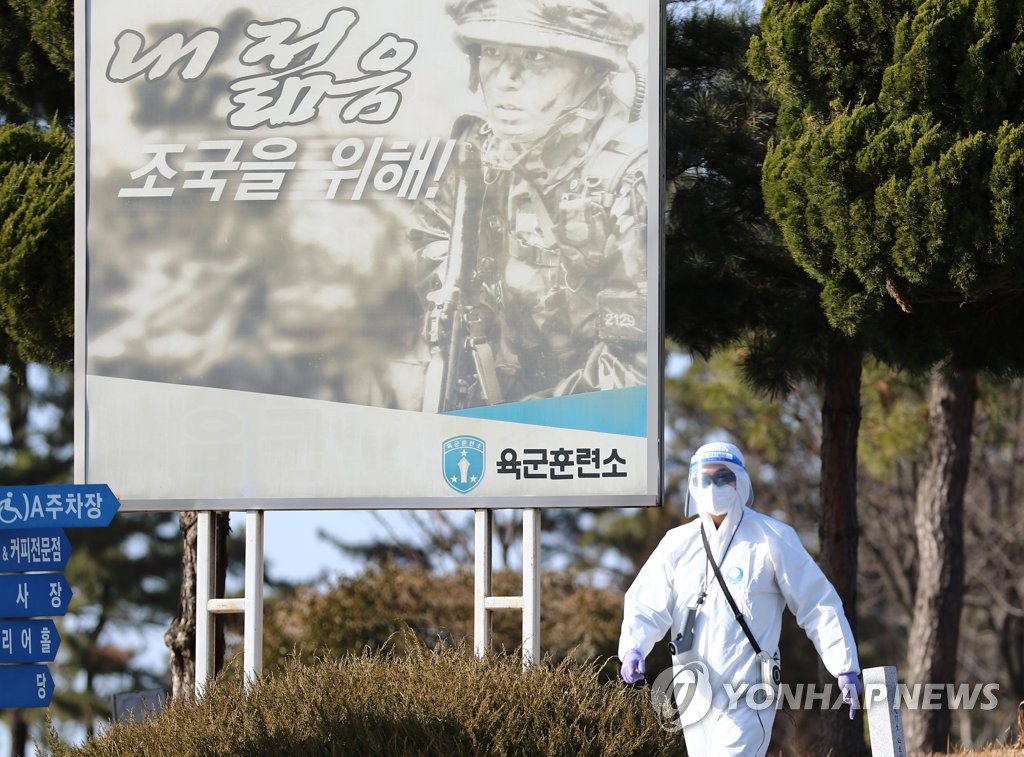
[[372, 254]]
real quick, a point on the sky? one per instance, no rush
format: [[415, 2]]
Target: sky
[[293, 551]]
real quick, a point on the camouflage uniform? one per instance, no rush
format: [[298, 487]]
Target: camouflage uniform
[[560, 269]]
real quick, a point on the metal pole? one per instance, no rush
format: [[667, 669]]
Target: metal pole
[[252, 657], [531, 587], [483, 520], [204, 590]]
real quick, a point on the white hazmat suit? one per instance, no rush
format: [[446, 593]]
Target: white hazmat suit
[[766, 568]]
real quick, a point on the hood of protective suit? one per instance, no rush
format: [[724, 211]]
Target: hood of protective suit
[[720, 500]]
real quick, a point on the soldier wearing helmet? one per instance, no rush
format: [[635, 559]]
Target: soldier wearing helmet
[[548, 208]]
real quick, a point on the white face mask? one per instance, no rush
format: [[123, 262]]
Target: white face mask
[[717, 500]]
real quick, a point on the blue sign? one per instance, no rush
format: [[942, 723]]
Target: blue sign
[[25, 686], [34, 594], [57, 506], [28, 641], [462, 462], [33, 549]]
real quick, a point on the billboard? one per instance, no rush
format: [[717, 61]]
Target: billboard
[[400, 254]]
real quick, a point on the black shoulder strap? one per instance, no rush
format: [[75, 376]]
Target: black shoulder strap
[[728, 595]]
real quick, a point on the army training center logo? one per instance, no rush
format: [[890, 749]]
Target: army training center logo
[[463, 462]]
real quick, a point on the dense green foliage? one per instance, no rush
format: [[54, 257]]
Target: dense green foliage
[[37, 165], [728, 276], [37, 241], [896, 178], [896, 175], [37, 60], [423, 702]]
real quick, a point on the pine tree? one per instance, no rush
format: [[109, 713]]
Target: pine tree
[[37, 329], [36, 242], [730, 279], [895, 177]]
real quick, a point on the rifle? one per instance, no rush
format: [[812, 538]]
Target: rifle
[[461, 369]]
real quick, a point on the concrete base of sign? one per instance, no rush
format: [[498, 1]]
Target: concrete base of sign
[[885, 721]]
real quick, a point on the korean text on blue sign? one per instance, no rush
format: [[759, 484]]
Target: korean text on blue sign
[[34, 595], [25, 686], [64, 506], [33, 550], [28, 640]]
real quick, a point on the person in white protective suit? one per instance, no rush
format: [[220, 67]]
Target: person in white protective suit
[[765, 568]]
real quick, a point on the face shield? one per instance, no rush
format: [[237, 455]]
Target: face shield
[[705, 476], [718, 481]]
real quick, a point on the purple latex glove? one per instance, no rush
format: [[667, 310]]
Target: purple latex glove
[[633, 666], [851, 687]]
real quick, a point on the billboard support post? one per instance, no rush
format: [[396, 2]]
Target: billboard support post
[[531, 587], [252, 603], [252, 658], [208, 606], [204, 592], [528, 602], [483, 525]]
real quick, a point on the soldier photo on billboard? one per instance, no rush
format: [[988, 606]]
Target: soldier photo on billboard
[[533, 253]]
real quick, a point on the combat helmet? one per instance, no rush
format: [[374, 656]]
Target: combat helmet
[[598, 29]]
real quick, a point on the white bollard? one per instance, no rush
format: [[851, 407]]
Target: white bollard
[[882, 705]]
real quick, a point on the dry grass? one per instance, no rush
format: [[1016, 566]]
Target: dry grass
[[1014, 751], [419, 703], [409, 700]]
